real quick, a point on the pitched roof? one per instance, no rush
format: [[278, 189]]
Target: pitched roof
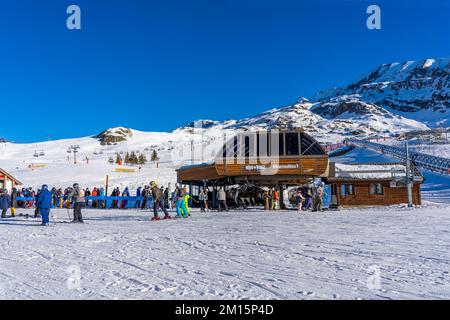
[[9, 176], [373, 171]]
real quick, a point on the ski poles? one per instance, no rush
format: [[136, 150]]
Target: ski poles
[[53, 218]]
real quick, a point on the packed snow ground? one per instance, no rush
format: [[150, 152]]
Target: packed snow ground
[[237, 255]]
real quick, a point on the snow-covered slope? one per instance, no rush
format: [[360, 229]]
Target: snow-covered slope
[[332, 120], [49, 162], [238, 255], [418, 90]]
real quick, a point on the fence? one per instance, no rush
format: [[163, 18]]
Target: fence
[[433, 163], [97, 202]]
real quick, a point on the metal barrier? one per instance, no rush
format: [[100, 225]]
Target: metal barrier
[[433, 163]]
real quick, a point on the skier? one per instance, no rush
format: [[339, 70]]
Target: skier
[[37, 213], [187, 196], [78, 198], [157, 202], [102, 202], [94, 194], [317, 198], [138, 195], [125, 194], [308, 199], [299, 199], [203, 198], [87, 193], [275, 198], [181, 205], [145, 194], [166, 198], [5, 202], [44, 203], [14, 196], [222, 197]]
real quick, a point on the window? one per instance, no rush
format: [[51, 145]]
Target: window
[[281, 144], [276, 144], [292, 148], [310, 146], [376, 188], [247, 146], [235, 147], [262, 144], [347, 190]]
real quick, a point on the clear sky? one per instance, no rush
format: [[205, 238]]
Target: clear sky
[[154, 65]]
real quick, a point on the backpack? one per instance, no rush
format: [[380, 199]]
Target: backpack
[[158, 193]]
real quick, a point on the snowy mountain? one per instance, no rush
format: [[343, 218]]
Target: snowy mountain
[[114, 135], [417, 90], [332, 120]]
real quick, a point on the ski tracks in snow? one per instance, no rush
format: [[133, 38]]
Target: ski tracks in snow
[[236, 255]]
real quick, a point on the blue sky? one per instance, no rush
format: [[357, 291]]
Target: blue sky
[[155, 65]]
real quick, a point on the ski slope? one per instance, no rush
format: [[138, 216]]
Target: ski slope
[[237, 255], [57, 168]]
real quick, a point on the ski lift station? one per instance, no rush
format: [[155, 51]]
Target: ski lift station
[[7, 181], [284, 159]]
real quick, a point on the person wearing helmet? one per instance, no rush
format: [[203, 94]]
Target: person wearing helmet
[[157, 195], [44, 203]]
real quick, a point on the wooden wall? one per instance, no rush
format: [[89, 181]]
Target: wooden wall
[[303, 166], [390, 195]]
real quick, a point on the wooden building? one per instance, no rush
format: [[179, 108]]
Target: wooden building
[[262, 158], [371, 184], [8, 181], [291, 158]]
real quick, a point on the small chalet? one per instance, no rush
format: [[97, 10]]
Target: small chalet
[[371, 184], [8, 181]]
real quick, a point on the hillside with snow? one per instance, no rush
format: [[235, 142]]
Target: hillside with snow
[[417, 90]]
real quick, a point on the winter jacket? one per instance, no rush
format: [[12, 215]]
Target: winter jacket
[[221, 195], [180, 193], [14, 195], [156, 193], [44, 200], [77, 194], [5, 201]]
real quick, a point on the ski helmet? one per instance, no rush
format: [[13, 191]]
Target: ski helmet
[[44, 187]]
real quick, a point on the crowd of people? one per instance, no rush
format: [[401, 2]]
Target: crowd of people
[[43, 200], [151, 197], [309, 198]]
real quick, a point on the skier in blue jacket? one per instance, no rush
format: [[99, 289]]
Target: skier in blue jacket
[[5, 202], [44, 203]]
